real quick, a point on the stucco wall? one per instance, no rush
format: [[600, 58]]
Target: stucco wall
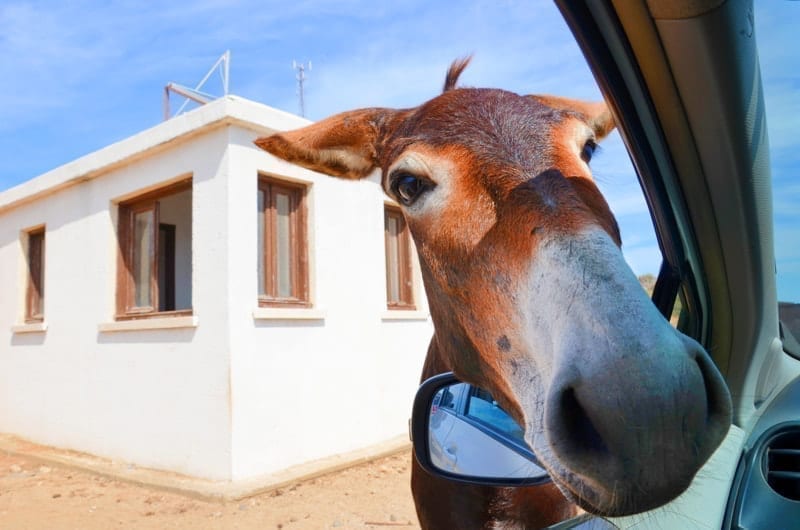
[[155, 397], [238, 393], [307, 388]]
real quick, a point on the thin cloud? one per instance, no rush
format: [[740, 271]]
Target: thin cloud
[[83, 74]]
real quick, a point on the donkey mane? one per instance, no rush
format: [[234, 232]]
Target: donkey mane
[[454, 72]]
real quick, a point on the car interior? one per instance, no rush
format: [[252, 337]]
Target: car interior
[[683, 79]]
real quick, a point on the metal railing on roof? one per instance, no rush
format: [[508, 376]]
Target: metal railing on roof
[[195, 94]]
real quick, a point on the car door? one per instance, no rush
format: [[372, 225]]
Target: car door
[[685, 83]]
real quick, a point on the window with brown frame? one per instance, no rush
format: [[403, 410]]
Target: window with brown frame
[[155, 253], [399, 280], [282, 244], [34, 296]]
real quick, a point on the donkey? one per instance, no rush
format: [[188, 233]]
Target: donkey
[[532, 300]]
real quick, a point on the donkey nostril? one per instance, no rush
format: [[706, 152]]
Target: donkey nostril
[[579, 430], [633, 439]]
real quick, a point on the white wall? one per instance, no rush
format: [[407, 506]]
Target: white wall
[[155, 397], [312, 388], [241, 394]]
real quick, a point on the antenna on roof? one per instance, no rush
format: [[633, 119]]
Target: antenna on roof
[[194, 94], [301, 78]]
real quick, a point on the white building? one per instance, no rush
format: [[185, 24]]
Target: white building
[[184, 301]]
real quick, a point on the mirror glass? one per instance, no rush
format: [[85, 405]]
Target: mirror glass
[[471, 436]]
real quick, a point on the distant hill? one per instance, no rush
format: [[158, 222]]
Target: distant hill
[[790, 316]]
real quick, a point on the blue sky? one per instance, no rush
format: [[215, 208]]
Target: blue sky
[[80, 75]]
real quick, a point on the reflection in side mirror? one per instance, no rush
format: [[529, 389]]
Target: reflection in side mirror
[[461, 433]]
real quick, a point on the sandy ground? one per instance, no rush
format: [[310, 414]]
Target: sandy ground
[[48, 497]]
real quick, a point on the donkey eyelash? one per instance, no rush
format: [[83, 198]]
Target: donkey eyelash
[[589, 150], [407, 187]]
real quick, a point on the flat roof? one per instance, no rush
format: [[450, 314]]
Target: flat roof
[[225, 110]]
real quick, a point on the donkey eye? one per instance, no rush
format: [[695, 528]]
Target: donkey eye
[[407, 188], [588, 150]]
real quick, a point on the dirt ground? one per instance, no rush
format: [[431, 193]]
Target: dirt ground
[[49, 497]]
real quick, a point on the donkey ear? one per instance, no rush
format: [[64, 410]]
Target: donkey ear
[[596, 113], [345, 145]]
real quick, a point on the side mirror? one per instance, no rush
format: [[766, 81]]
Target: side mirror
[[461, 433]]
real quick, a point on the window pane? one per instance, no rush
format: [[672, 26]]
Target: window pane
[[445, 398], [260, 249], [781, 77], [483, 407], [399, 288], [155, 266], [284, 255], [35, 275], [282, 274], [142, 252], [392, 259]]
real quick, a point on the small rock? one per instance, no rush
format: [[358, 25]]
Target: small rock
[[15, 468], [44, 469], [56, 495]]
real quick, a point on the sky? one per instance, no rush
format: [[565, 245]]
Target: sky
[[81, 75]]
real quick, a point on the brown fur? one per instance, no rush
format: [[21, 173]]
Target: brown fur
[[511, 180]]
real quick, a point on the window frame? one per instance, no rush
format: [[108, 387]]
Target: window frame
[[463, 395], [298, 244], [405, 264], [34, 268], [126, 309], [479, 394], [682, 273]]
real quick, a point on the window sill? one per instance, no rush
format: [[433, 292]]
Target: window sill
[[287, 313], [33, 327], [149, 323], [404, 314]]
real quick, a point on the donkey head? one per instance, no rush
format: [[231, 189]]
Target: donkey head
[[530, 296]]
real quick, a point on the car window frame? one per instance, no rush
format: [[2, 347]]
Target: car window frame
[[640, 130]]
